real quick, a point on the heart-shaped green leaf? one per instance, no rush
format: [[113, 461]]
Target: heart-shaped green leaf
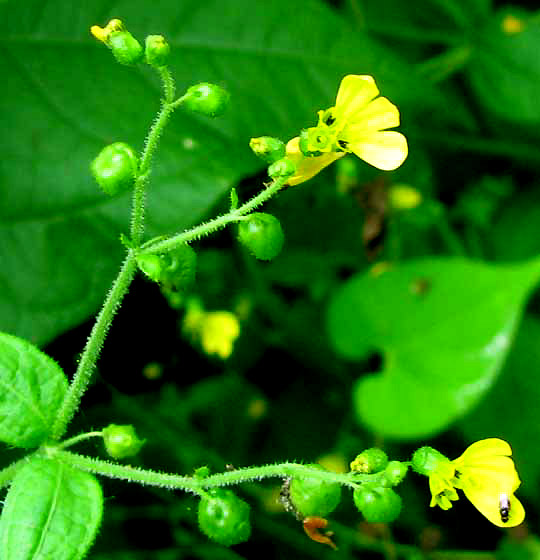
[[32, 387], [51, 511], [444, 327], [66, 98]]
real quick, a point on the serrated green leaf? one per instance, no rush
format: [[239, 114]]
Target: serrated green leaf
[[66, 98], [51, 512], [32, 387], [444, 327]]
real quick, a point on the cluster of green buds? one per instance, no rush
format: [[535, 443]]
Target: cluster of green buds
[[116, 168], [376, 500]]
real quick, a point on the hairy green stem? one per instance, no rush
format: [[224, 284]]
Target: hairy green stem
[[76, 439], [150, 145], [93, 347], [198, 485], [166, 245]]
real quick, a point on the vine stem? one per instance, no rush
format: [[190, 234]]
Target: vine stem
[[166, 245], [93, 346], [198, 485]]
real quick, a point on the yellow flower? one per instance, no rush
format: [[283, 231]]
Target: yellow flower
[[486, 474], [218, 332], [102, 33], [357, 123]]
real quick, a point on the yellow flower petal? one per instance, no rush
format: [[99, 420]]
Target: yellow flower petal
[[219, 330], [488, 504], [379, 114], [485, 448], [307, 167], [384, 150], [354, 93]]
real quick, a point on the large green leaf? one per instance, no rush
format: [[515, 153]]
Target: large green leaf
[[65, 98], [444, 327], [32, 388], [52, 511]]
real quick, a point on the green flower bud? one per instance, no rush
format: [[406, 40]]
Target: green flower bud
[[202, 472], [313, 496], [121, 441], [156, 52], [115, 168], [267, 148], [262, 234], [151, 266], [395, 472], [377, 505], [427, 460], [125, 48], [224, 518], [282, 168], [207, 99], [370, 461]]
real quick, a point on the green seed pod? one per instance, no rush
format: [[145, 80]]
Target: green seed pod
[[121, 441], [378, 505], [115, 168], [156, 52], [224, 518], [282, 168], [125, 48], [262, 234], [267, 148], [427, 460], [313, 496], [371, 460], [179, 267], [395, 472], [207, 99]]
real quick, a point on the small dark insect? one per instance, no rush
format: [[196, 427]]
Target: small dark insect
[[504, 507]]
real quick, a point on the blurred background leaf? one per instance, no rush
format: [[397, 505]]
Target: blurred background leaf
[[444, 328]]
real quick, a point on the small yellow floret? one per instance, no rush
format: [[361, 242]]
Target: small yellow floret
[[511, 24], [102, 33], [218, 332]]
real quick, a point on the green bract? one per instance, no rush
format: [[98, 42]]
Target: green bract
[[224, 518], [125, 48], [51, 512], [207, 99], [262, 234], [313, 496], [395, 472], [121, 441], [156, 51], [378, 505], [115, 168], [32, 388]]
